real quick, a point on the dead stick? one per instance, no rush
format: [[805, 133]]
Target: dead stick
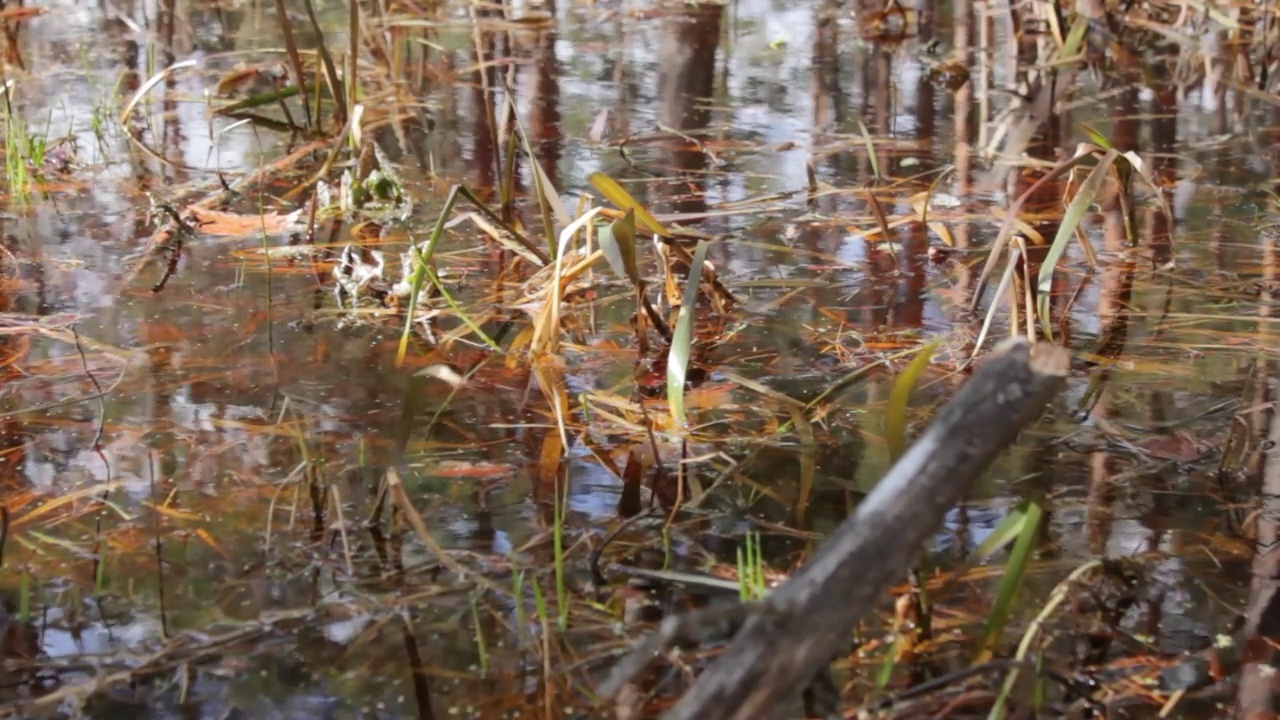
[[808, 620]]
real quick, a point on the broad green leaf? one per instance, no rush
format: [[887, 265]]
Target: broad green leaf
[[616, 194], [682, 338], [895, 423]]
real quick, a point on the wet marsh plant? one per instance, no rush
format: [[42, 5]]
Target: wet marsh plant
[[15, 165], [536, 308], [752, 584], [557, 536], [1110, 164], [517, 593], [482, 647], [24, 153]]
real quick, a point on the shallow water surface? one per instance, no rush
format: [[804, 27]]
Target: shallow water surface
[[192, 471]]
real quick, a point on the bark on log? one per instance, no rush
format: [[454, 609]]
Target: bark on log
[[1259, 691], [808, 620]]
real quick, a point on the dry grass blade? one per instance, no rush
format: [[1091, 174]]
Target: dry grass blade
[[870, 144], [61, 500], [550, 205], [1135, 163], [1006, 229], [508, 239], [616, 194], [1006, 283], [147, 86], [330, 70], [920, 204], [878, 213], [546, 337], [395, 488], [1062, 593], [353, 56], [295, 59]]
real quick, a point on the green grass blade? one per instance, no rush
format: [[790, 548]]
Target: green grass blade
[[481, 649], [1096, 137], [424, 258], [336, 89], [256, 101], [1006, 229], [462, 315], [1072, 44], [420, 272], [1009, 529], [1012, 580], [548, 196], [1061, 595], [895, 423], [562, 593], [1066, 230], [621, 199], [890, 663], [682, 338]]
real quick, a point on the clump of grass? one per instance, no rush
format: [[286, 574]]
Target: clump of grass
[[15, 166], [24, 152], [751, 581]]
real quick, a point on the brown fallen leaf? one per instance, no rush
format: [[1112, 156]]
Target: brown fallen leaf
[[1180, 447], [20, 13], [225, 224]]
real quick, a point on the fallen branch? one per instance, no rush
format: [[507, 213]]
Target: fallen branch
[[796, 631]]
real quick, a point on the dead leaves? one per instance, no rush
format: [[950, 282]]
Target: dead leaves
[[224, 224]]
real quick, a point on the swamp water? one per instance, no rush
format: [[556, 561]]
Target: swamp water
[[190, 473]]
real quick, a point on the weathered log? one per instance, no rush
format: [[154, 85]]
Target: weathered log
[[808, 620], [1259, 693]]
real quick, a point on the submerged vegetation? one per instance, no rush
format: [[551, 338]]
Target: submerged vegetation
[[416, 359]]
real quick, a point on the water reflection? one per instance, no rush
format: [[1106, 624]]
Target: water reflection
[[244, 429]]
